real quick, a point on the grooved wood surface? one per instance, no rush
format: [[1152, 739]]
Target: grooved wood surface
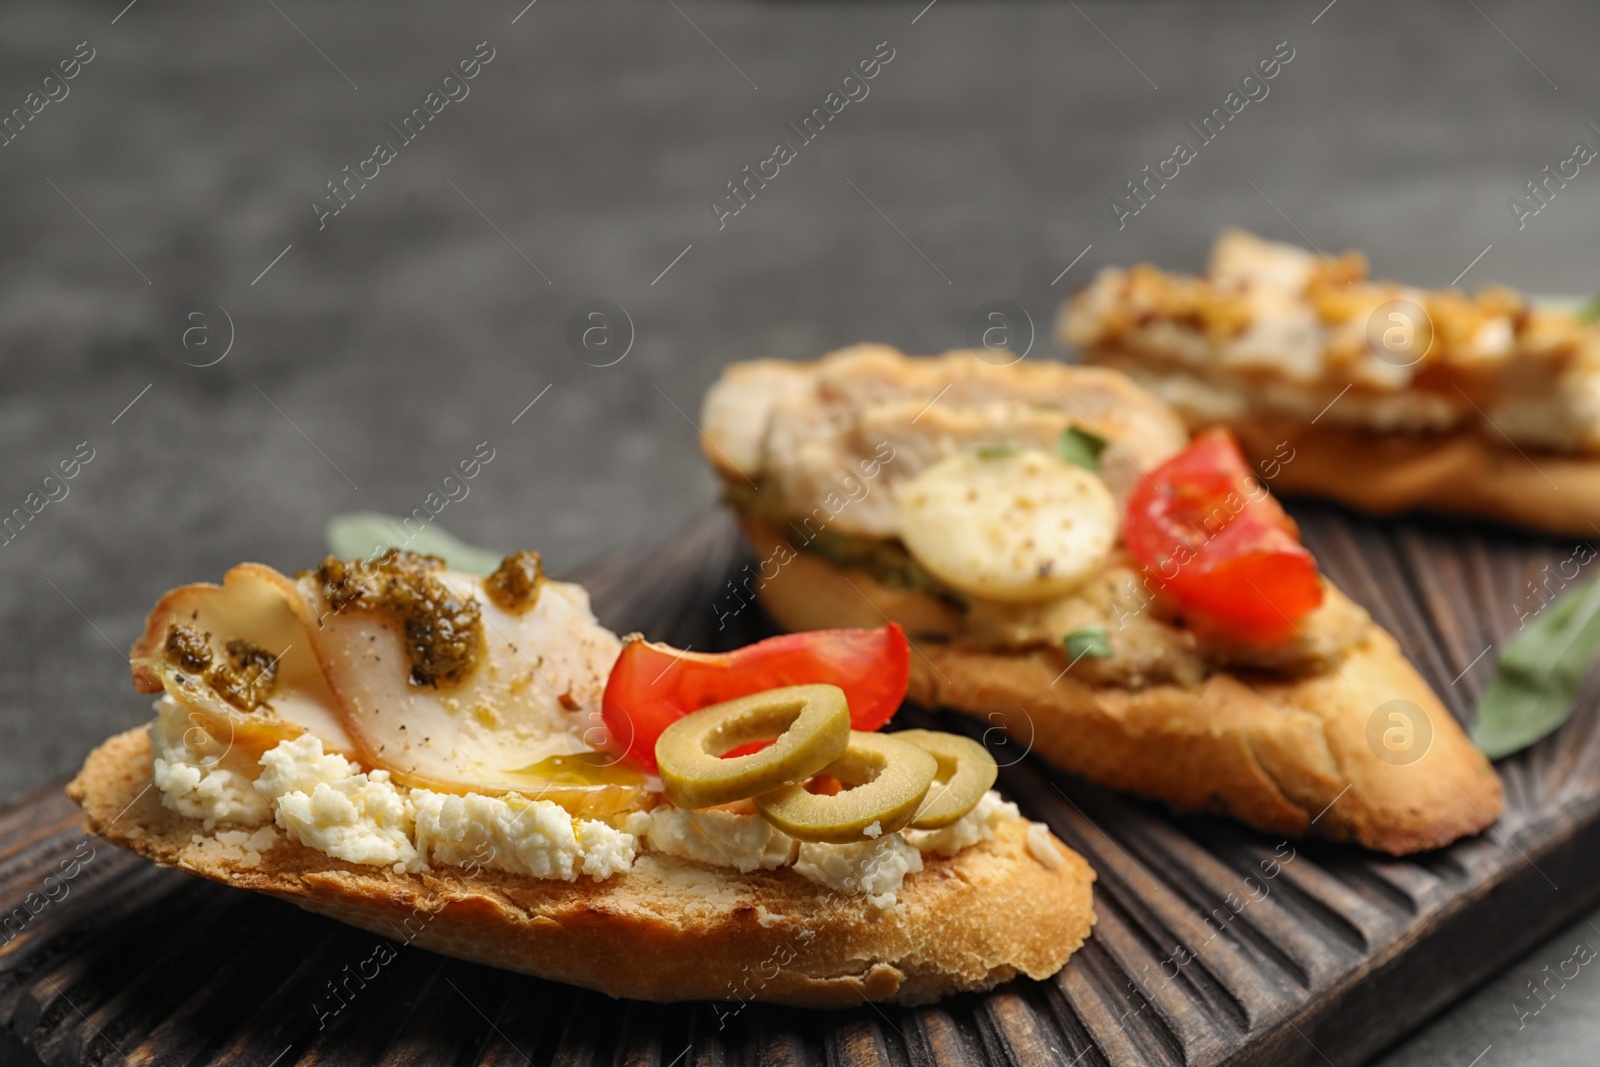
[[1334, 956]]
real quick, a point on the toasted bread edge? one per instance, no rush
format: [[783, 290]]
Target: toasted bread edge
[[667, 930], [1298, 757]]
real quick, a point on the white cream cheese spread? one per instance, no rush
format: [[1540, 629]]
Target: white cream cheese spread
[[198, 777], [511, 833], [876, 868], [324, 801]]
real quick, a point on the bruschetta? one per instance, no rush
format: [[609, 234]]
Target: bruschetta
[[1127, 602], [1389, 397], [434, 757]]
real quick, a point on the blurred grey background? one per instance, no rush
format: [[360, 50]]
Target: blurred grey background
[[178, 169]]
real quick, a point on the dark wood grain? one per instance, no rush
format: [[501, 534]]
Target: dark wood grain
[[1344, 954]]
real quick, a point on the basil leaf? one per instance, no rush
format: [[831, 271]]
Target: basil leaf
[[1089, 641], [362, 534], [1536, 683], [997, 451], [1081, 447], [1590, 311]]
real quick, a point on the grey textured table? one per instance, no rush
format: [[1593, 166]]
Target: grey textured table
[[374, 349]]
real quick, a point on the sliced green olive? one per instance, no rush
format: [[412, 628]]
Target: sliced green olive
[[811, 724], [884, 780], [966, 773]]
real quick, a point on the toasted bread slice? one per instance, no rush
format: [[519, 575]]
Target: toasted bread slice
[[666, 930], [1489, 406], [1292, 756], [1339, 738], [1462, 473], [1456, 472]]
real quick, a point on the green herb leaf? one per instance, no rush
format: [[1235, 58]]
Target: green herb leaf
[[1081, 447], [1536, 683], [997, 451], [1585, 309], [361, 534], [1089, 641]]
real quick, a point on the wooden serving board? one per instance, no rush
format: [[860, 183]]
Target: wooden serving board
[[1334, 955]]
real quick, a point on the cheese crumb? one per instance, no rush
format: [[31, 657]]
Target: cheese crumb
[[975, 826], [324, 803], [192, 780], [716, 838], [875, 868], [510, 833], [1041, 848], [299, 766]]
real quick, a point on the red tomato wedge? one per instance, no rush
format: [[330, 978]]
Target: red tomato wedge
[[1220, 544], [653, 685]]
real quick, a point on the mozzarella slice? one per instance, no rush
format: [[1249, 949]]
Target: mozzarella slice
[[1007, 525]]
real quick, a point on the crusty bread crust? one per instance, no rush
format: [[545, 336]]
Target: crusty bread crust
[[1288, 756], [1462, 472], [667, 930]]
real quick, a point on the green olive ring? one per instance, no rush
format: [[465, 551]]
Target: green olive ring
[[811, 724], [966, 773], [884, 781]]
